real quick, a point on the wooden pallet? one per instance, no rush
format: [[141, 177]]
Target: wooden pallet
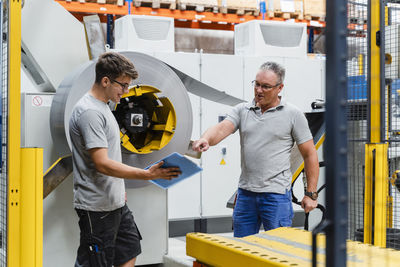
[[198, 7], [240, 11], [285, 15], [239, 7], [155, 4], [314, 10], [294, 11], [314, 17]]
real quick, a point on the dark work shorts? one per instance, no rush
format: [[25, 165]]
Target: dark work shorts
[[107, 238]]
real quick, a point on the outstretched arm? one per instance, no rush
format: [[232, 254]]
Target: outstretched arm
[[213, 135], [114, 168]]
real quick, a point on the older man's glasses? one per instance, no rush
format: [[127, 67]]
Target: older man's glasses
[[256, 84], [123, 85]]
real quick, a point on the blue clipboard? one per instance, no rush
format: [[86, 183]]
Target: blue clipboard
[[188, 168]]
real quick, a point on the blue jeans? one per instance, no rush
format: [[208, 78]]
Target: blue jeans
[[271, 209]]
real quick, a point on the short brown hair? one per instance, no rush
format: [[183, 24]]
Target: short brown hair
[[113, 65]]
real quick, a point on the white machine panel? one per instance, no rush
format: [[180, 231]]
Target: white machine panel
[[392, 38], [323, 77], [149, 208], [60, 227], [35, 129], [303, 82], [271, 38], [144, 33], [53, 41], [219, 181], [223, 72], [184, 197]]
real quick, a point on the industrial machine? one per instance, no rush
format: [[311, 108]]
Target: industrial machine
[[279, 248], [180, 89]]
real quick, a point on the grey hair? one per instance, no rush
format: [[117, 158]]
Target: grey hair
[[276, 68]]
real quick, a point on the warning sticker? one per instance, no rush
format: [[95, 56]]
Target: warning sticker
[[41, 100]]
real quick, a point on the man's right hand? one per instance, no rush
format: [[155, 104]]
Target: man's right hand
[[157, 172], [200, 145]]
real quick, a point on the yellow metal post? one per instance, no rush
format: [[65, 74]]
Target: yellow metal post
[[376, 191], [381, 195], [31, 207], [375, 98], [376, 164], [369, 149], [25, 175], [13, 135], [361, 64]]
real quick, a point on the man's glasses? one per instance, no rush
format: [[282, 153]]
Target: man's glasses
[[123, 85], [256, 84]]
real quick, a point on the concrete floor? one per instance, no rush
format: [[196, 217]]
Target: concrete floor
[[176, 256]]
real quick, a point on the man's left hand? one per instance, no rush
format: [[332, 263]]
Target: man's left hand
[[308, 204]]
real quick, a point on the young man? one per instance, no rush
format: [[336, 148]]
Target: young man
[[268, 129], [109, 235]]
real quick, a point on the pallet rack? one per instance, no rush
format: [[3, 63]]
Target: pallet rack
[[183, 18]]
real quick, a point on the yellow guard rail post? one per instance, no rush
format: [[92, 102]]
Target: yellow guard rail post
[[24, 166], [376, 164], [14, 135]]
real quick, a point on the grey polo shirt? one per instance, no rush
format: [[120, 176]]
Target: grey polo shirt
[[92, 125], [266, 141]]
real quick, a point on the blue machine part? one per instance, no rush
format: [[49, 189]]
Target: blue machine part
[[357, 87]]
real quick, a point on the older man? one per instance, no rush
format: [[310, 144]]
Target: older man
[[268, 127]]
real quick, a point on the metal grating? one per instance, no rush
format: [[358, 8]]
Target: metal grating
[[3, 126], [392, 120], [358, 108], [357, 112]]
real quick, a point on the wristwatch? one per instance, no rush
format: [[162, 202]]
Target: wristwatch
[[312, 195]]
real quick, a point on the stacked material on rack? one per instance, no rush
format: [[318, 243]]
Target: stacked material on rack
[[280, 9], [170, 4], [314, 9], [198, 5], [239, 7], [286, 9]]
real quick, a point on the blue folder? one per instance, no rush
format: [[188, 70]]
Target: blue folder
[[187, 167]]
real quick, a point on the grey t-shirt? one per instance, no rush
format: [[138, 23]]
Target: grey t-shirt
[[266, 141], [92, 125]]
